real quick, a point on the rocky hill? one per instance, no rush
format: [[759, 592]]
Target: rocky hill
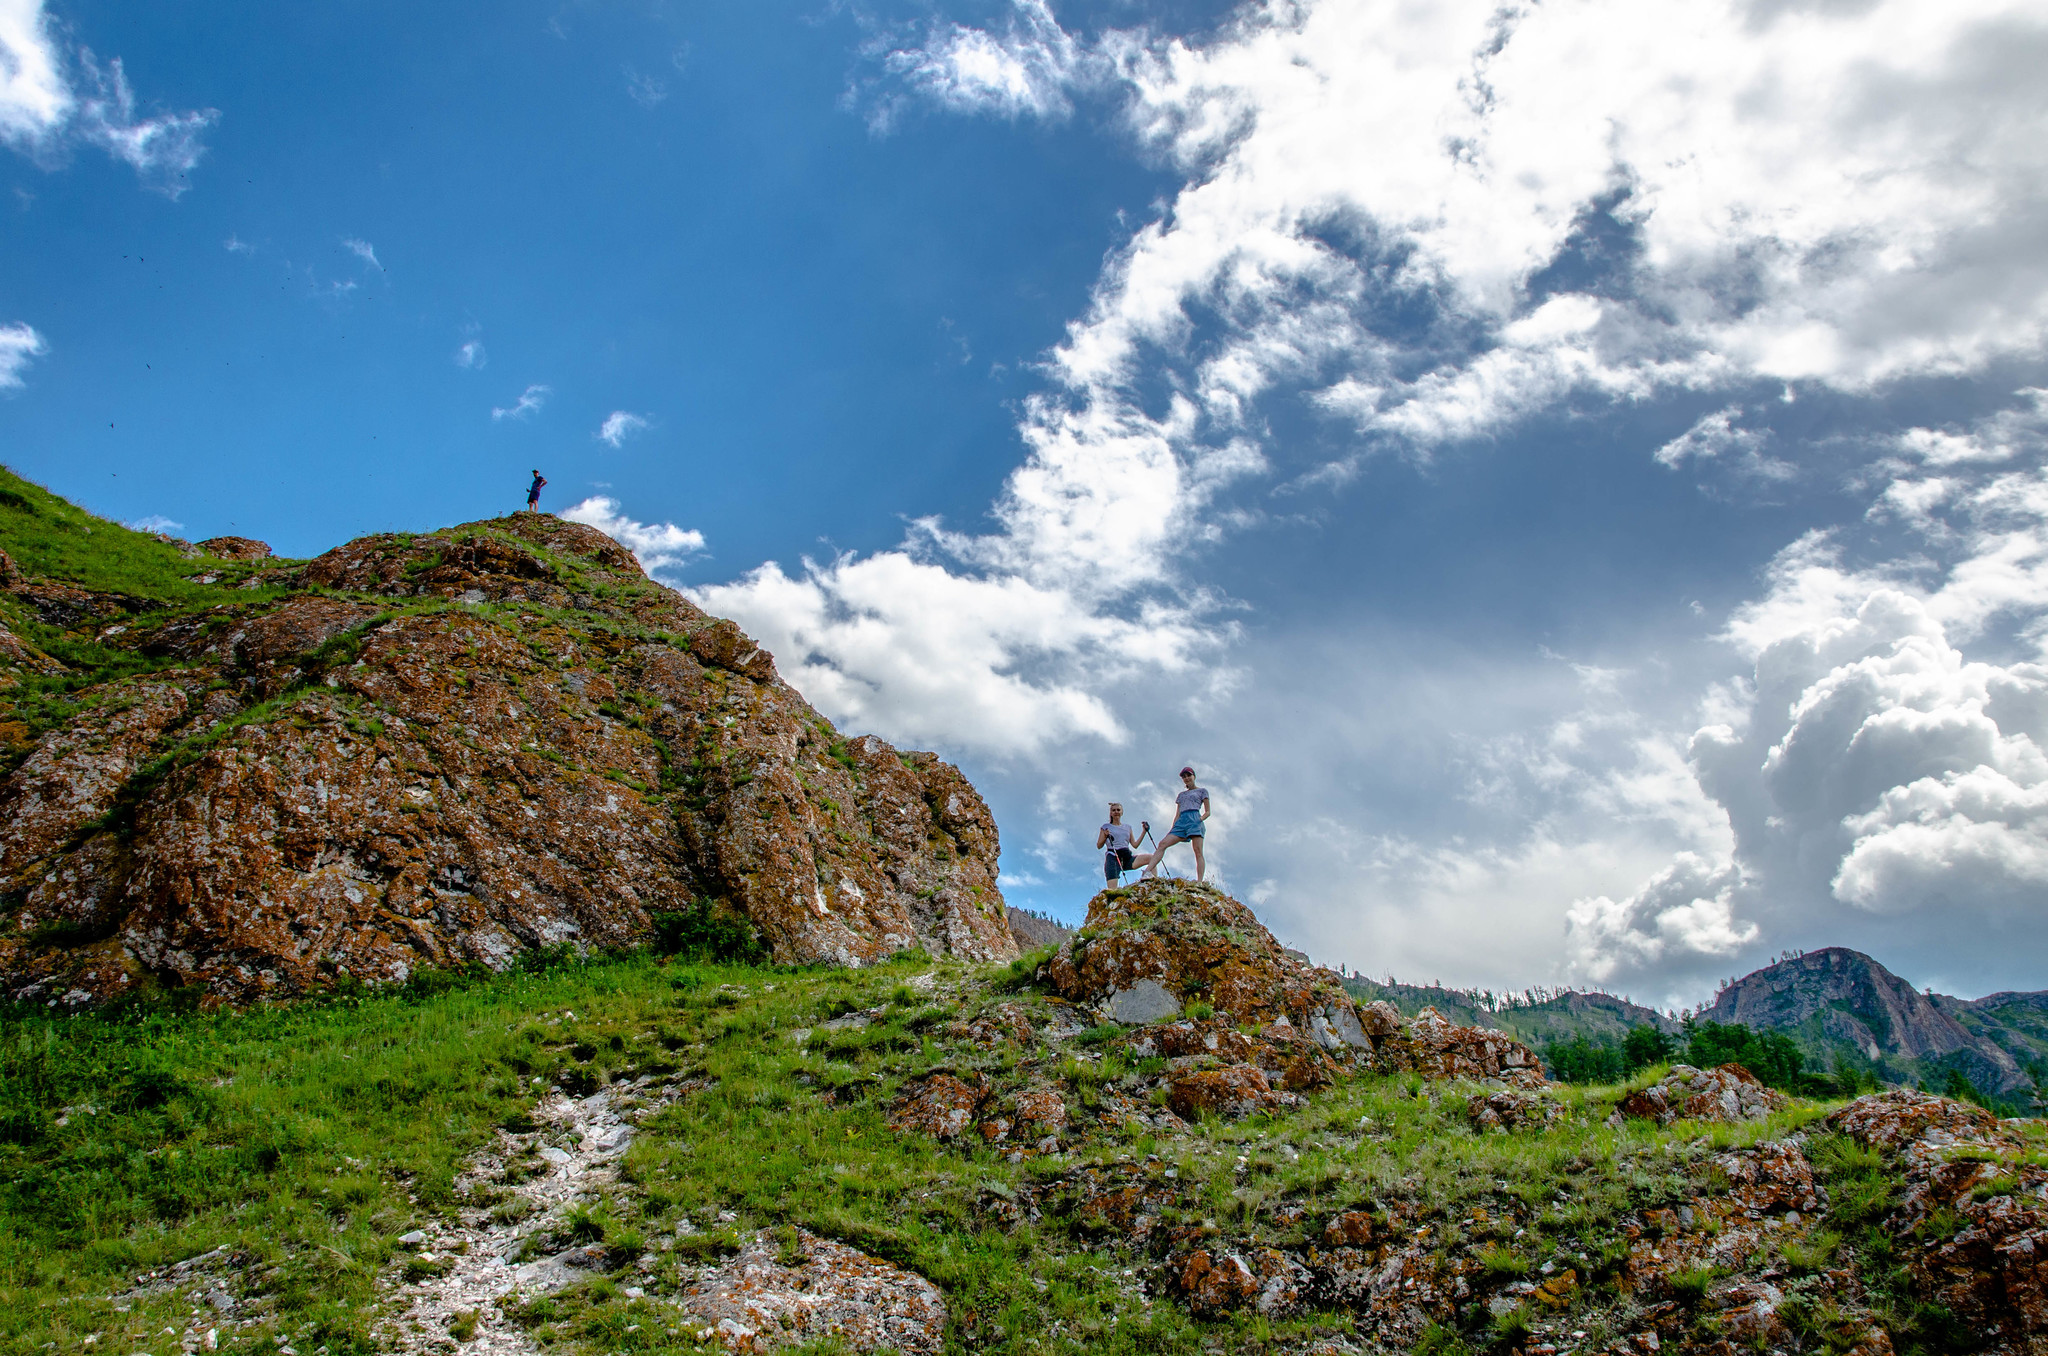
[[262, 776], [1837, 1000]]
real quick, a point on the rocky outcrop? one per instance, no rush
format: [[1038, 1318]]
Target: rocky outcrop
[[1511, 1109], [1972, 1223], [808, 1290], [235, 548], [1844, 997], [452, 748], [1436, 1048], [1728, 1094], [1148, 952]]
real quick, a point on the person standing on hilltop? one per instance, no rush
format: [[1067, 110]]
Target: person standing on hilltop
[[1116, 837], [533, 492], [1192, 807]]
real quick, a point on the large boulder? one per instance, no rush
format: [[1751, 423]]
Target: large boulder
[[450, 748], [1147, 953], [1436, 1047], [1729, 1093]]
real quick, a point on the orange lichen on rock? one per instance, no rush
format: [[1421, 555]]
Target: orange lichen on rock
[[451, 748], [1728, 1093]]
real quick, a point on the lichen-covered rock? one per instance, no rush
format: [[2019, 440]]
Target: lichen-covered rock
[[235, 548], [1435, 1047], [1771, 1179], [1229, 1093], [1511, 1109], [1155, 947], [770, 1295], [940, 1105], [542, 746], [1217, 1283], [1729, 1094], [1960, 1163]]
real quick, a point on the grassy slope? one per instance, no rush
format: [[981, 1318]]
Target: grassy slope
[[313, 1136], [49, 535]]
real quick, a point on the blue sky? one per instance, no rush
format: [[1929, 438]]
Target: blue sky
[[1571, 478]]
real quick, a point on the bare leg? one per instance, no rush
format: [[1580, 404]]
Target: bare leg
[[1200, 867], [1152, 862]]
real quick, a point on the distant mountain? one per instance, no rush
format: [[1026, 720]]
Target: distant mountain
[[1034, 930], [1599, 1017], [1836, 1001], [1835, 1004]]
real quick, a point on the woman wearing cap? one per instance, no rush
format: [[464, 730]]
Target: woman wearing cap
[[1192, 805]]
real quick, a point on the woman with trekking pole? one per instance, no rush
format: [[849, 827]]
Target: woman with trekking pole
[[1116, 837]]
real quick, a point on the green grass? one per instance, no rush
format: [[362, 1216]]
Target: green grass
[[49, 535], [310, 1137]]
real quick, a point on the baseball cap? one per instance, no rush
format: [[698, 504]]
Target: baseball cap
[[1187, 772]]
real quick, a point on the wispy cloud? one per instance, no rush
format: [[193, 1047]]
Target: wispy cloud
[[659, 547], [1027, 69], [471, 354], [529, 403], [156, 522], [236, 245], [363, 250], [620, 425], [18, 345], [161, 149], [644, 90], [49, 103]]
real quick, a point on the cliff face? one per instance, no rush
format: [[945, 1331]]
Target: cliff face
[[426, 750], [1841, 996]]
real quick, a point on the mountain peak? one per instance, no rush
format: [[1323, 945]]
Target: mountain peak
[[1838, 995]]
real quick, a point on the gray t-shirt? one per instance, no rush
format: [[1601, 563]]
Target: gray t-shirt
[[1191, 799], [1119, 836]]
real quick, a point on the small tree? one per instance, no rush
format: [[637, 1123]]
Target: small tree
[[1646, 1045]]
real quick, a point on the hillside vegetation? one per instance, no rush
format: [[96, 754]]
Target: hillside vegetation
[[290, 1149]]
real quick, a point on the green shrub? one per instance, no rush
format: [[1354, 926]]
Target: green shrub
[[706, 931]]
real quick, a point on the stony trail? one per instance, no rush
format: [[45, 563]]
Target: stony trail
[[569, 1157]]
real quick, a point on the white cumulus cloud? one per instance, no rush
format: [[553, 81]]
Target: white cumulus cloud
[[1606, 200], [35, 99], [1844, 194], [156, 522], [1869, 764], [1028, 69], [659, 547]]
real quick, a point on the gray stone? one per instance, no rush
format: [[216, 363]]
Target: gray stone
[[413, 1239], [1337, 1026], [1144, 1002]]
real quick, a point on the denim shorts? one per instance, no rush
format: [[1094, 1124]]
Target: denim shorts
[[1187, 824]]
